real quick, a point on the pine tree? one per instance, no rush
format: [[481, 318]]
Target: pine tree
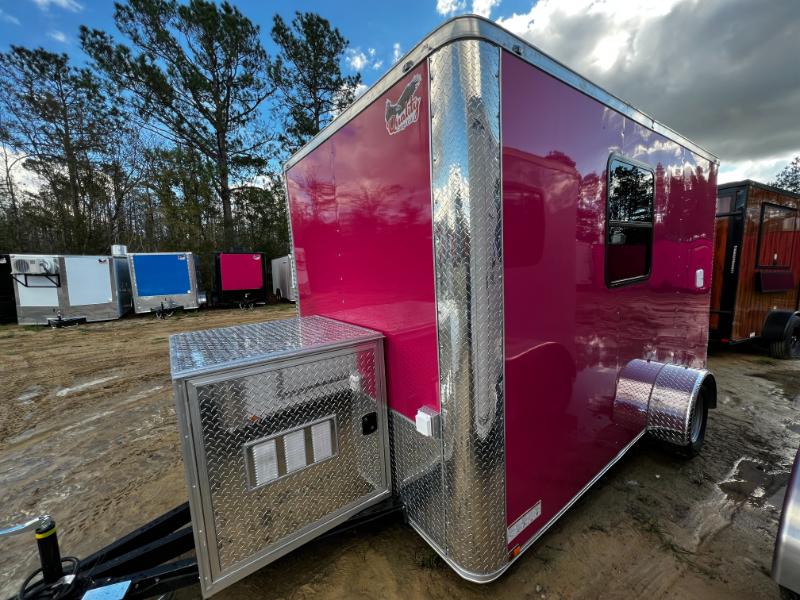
[[789, 177], [197, 74], [307, 71]]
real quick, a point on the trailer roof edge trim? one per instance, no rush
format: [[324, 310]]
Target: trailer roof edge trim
[[477, 27], [763, 186]]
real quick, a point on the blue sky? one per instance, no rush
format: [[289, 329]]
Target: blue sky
[[53, 24], [702, 68]]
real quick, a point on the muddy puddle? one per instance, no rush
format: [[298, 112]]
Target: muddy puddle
[[757, 483]]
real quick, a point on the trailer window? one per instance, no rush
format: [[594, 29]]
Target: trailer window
[[776, 235], [629, 223]]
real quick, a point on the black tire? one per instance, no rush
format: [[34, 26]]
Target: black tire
[[278, 296], [789, 346], [787, 594], [697, 428]]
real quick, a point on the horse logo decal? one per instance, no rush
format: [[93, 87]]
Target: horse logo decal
[[405, 111]]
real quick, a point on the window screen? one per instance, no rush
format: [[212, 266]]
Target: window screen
[[776, 235], [629, 223]]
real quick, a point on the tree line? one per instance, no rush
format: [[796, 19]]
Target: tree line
[[170, 137]]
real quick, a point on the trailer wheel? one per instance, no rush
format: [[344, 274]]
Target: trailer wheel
[[789, 346], [697, 427]]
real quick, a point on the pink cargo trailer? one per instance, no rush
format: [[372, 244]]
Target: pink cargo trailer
[[526, 261], [240, 278]]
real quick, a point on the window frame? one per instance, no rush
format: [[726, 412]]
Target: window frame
[[652, 225], [763, 211]]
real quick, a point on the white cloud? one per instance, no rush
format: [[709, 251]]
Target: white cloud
[[449, 7], [484, 7], [71, 5], [356, 59], [764, 170], [721, 72], [396, 52], [25, 180], [58, 36], [360, 89], [7, 18]]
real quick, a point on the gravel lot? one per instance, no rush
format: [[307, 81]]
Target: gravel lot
[[88, 434]]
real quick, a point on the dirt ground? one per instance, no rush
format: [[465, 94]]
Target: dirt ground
[[88, 435]]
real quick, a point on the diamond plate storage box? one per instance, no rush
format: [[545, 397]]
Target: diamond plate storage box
[[284, 436]]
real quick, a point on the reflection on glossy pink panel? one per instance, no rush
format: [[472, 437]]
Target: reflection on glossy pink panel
[[361, 222], [567, 334]]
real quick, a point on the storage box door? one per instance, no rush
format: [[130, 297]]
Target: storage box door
[[88, 280], [283, 453]]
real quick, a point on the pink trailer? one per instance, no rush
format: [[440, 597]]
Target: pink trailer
[[535, 255]]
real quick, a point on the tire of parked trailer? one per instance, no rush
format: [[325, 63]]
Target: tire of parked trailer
[[697, 427], [789, 346]]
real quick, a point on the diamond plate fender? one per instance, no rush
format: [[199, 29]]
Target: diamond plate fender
[[661, 398]]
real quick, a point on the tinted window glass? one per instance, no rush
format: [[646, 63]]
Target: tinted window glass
[[629, 224], [630, 193]]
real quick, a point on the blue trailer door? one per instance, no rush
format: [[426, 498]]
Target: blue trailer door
[[161, 274]]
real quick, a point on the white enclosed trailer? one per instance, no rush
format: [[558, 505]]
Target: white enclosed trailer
[[52, 287], [284, 284]]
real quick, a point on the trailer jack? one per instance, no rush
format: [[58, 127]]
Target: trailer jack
[[165, 311], [153, 560], [59, 321]]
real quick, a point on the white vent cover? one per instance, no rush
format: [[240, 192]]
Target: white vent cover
[[288, 452]]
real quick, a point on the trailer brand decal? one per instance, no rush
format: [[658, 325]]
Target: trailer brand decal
[[405, 111], [517, 527]]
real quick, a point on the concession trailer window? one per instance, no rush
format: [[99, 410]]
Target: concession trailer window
[[776, 235], [629, 222]]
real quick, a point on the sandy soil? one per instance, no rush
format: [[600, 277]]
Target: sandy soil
[[88, 434]]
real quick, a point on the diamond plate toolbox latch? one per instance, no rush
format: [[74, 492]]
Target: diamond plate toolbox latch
[[369, 423]]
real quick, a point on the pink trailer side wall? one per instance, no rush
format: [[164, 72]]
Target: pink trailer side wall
[[361, 220], [567, 334]]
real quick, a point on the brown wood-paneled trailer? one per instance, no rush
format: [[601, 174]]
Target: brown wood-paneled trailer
[[756, 279]]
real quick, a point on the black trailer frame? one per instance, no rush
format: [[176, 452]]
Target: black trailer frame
[[152, 560]]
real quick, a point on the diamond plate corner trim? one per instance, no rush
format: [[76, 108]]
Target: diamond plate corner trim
[[417, 476], [673, 401], [467, 232]]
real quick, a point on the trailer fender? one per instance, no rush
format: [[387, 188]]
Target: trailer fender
[[661, 398], [776, 325], [786, 558]]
